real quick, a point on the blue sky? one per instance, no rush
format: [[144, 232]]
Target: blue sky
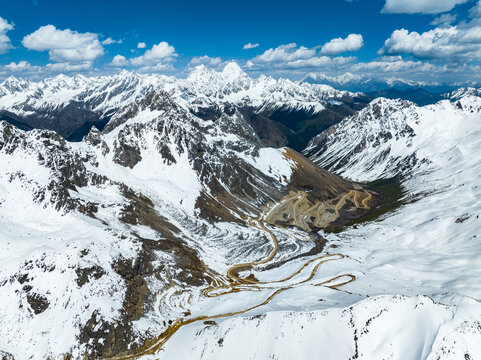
[[424, 40]]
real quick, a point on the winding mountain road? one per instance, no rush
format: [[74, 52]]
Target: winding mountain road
[[234, 283]]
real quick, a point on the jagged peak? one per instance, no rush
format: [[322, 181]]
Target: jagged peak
[[15, 80], [13, 83], [230, 73], [11, 78]]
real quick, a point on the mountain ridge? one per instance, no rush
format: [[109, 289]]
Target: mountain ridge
[[88, 101]]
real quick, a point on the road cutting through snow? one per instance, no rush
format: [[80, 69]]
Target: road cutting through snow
[[234, 283]]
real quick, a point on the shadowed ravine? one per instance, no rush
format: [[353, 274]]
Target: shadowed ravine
[[320, 214]]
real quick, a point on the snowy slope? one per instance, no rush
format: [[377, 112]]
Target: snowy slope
[[382, 327], [107, 236], [431, 244], [72, 214], [462, 92], [391, 137], [416, 294]]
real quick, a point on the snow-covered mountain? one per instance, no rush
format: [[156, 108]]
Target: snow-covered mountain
[[462, 92], [351, 82], [393, 133], [105, 93], [174, 232], [105, 242], [71, 105], [429, 245], [414, 296]]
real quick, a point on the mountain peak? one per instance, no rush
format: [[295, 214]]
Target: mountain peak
[[13, 83], [11, 79], [232, 70], [200, 72]]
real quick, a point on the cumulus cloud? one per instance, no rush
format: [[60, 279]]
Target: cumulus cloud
[[5, 43], [26, 70], [162, 52], [206, 60], [141, 45], [250, 46], [18, 67], [110, 41], [294, 57], [295, 61], [444, 43], [119, 61], [283, 53], [353, 42], [420, 6], [318, 62], [64, 45]]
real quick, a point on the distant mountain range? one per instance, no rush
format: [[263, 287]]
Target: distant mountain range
[[281, 111], [358, 83]]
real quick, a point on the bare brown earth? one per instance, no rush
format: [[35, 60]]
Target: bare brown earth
[[319, 199]]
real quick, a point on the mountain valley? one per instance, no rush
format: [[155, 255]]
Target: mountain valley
[[157, 217]]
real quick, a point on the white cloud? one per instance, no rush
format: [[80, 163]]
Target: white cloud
[[476, 10], [64, 45], [294, 57], [18, 67], [156, 68], [162, 52], [318, 62], [68, 67], [141, 45], [444, 43], [395, 67], [110, 41], [250, 46], [353, 42], [283, 53], [119, 61], [420, 6], [26, 70], [444, 20], [5, 43], [206, 60]]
